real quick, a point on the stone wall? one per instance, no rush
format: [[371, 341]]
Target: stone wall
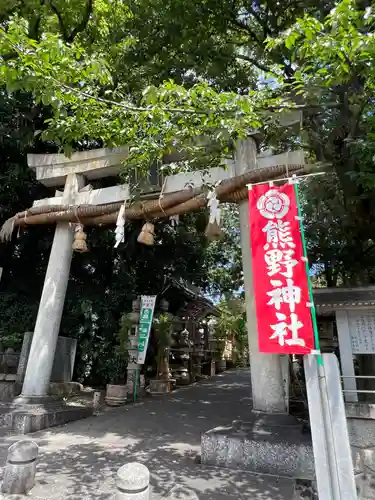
[[9, 361], [361, 428], [9, 386]]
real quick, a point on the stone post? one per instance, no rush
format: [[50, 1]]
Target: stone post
[[266, 374], [133, 349], [43, 345], [96, 400], [212, 368], [20, 468], [164, 306], [133, 482]]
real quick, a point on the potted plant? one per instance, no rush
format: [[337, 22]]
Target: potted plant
[[163, 329], [116, 391]]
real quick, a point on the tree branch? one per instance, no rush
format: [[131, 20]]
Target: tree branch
[[82, 25], [60, 19], [328, 105], [69, 38], [256, 63], [246, 28], [122, 105], [261, 22], [34, 28], [357, 117], [138, 109]]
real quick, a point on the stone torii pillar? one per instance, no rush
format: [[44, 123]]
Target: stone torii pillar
[[54, 171], [266, 369]]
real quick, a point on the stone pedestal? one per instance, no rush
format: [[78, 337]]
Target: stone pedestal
[[9, 387], [268, 444], [26, 418], [361, 429], [160, 386]]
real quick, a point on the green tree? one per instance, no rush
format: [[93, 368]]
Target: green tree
[[98, 73], [231, 323], [223, 264]]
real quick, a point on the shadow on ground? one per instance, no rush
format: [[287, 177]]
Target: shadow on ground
[[79, 460]]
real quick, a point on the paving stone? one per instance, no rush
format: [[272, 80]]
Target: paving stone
[[79, 460]]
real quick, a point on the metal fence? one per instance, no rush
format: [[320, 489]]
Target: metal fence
[[356, 391]]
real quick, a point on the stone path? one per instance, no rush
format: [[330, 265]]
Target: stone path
[[79, 460]]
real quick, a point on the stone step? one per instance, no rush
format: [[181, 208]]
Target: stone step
[[267, 444], [273, 446], [23, 419]]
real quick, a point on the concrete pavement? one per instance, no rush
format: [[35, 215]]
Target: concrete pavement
[[79, 460]]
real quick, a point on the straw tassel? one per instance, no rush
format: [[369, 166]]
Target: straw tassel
[[146, 236], [79, 244]]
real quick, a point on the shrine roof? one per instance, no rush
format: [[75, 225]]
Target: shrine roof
[[187, 301], [332, 299]]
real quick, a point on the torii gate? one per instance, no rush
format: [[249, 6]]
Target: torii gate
[[55, 170]]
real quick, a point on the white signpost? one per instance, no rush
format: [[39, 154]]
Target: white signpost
[[145, 322], [332, 453]]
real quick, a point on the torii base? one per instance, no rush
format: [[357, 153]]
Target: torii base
[[27, 418], [271, 444], [267, 444]]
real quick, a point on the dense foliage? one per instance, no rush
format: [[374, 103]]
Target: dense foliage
[[189, 77]]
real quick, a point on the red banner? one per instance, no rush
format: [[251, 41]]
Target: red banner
[[281, 290]]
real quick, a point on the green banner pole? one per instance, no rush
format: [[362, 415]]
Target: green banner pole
[[313, 311]]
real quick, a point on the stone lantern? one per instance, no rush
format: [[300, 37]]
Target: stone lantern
[[163, 384], [133, 349], [164, 305]]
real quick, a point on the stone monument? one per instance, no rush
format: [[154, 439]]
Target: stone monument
[[63, 363]]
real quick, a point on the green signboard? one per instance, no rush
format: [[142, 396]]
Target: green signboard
[[145, 322]]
